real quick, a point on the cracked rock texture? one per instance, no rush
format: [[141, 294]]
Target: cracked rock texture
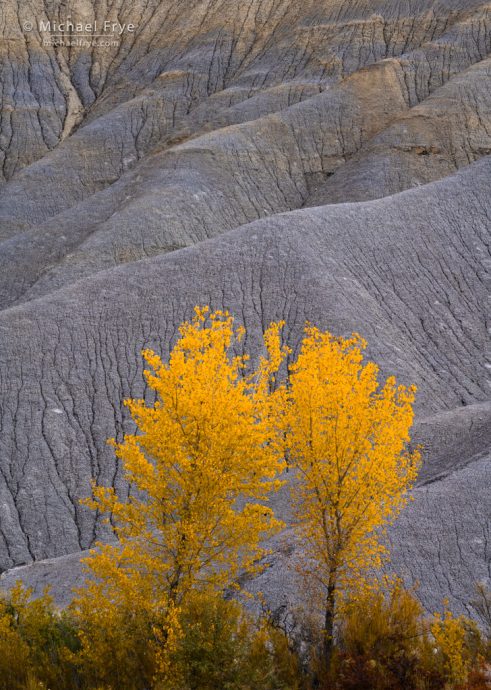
[[320, 160]]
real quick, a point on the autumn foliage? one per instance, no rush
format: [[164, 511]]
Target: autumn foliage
[[161, 608], [201, 468], [387, 642], [347, 437]]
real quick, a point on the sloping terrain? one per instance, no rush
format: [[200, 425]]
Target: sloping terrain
[[323, 161]]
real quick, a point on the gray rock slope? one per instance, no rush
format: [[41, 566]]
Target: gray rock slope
[[399, 270], [404, 100], [317, 160]]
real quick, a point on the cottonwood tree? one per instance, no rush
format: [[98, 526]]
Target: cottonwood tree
[[210, 451], [202, 466], [347, 438]]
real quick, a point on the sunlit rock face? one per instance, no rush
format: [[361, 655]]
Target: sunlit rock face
[[319, 160]]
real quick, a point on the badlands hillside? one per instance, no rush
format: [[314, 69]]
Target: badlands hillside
[[323, 160]]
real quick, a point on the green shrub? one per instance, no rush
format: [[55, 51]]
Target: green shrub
[[37, 644], [221, 647]]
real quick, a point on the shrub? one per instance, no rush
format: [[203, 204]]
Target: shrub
[[386, 643], [458, 647], [14, 655], [118, 647], [380, 640], [220, 646], [37, 644]]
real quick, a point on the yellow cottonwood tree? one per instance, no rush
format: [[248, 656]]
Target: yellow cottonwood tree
[[201, 467], [203, 463], [347, 438]]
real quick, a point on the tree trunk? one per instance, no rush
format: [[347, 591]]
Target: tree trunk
[[329, 625]]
